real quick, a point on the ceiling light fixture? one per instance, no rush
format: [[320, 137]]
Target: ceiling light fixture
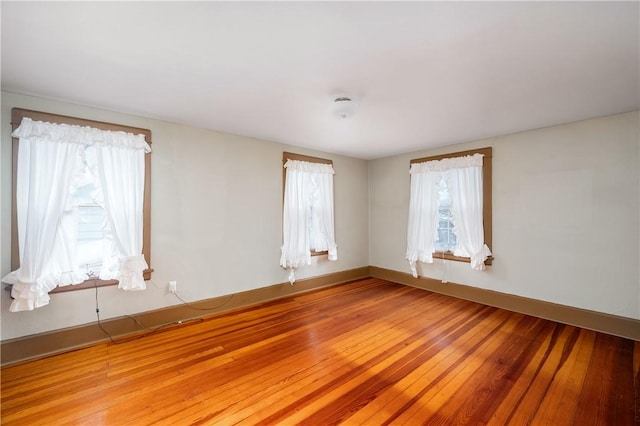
[[343, 107]]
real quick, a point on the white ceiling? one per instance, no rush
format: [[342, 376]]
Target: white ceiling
[[423, 74]]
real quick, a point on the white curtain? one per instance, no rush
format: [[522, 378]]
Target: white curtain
[[121, 166], [49, 156], [423, 216], [464, 180], [45, 171], [466, 205], [307, 214]]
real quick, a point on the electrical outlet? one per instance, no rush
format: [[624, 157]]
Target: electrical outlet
[[173, 286]]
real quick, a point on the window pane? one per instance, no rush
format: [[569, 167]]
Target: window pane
[[91, 219], [90, 223], [446, 236]]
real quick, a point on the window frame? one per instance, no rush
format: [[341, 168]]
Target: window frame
[[309, 159], [487, 173], [17, 114]]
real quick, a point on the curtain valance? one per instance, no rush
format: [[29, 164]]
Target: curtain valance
[[305, 166], [66, 133], [445, 164]]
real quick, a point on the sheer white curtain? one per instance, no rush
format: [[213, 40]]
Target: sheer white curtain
[[464, 181], [307, 214], [423, 215], [45, 171], [465, 187], [49, 156], [321, 233], [121, 165]]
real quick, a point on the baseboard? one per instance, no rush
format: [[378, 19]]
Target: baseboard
[[63, 340], [628, 328]]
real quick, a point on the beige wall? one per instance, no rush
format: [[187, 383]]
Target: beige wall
[[565, 215], [215, 225]]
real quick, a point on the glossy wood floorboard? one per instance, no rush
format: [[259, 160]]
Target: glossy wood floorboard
[[364, 353]]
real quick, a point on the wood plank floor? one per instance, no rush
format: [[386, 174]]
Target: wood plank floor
[[365, 353]]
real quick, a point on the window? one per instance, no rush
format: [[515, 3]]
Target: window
[[441, 198], [85, 218], [91, 220], [307, 211], [446, 241]]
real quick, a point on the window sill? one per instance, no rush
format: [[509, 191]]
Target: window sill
[[450, 256], [92, 283], [319, 253]]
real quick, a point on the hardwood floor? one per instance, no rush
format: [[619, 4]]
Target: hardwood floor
[[365, 353]]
